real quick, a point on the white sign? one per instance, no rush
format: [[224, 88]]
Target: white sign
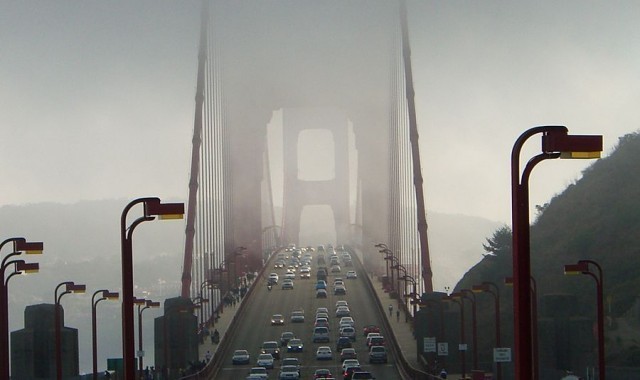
[[462, 347], [429, 344], [502, 355], [443, 349]]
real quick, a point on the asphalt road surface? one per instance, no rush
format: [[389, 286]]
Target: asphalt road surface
[[256, 324]]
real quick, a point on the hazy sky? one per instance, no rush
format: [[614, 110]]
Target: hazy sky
[[97, 97]]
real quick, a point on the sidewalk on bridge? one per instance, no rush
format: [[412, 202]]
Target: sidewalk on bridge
[[402, 328], [221, 325]]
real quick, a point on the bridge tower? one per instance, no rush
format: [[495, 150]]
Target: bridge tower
[[333, 192]]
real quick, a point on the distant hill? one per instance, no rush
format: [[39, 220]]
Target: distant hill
[[597, 218]]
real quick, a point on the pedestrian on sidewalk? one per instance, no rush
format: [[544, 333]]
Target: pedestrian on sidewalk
[[390, 309], [397, 315], [443, 374], [207, 356]]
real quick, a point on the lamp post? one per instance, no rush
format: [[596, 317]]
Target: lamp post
[[70, 287], [384, 247], [147, 304], [394, 260], [508, 281], [104, 295], [20, 245], [152, 208], [462, 348], [414, 294], [236, 253], [207, 317], [489, 287], [584, 267], [468, 294], [556, 143]]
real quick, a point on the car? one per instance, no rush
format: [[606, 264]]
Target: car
[[348, 372], [240, 357], [335, 269], [349, 332], [322, 310], [339, 290], [259, 372], [341, 303], [322, 315], [291, 361], [322, 373], [279, 264], [291, 268], [273, 278], [348, 354], [285, 337], [277, 319], [343, 342], [287, 284], [305, 274], [320, 334], [321, 293], [350, 363], [343, 311], [378, 354], [253, 377], [265, 360], [297, 316], [321, 322], [289, 372], [324, 353], [271, 347], [375, 341], [352, 275], [295, 345], [362, 375], [370, 329], [321, 284], [347, 321], [289, 276]]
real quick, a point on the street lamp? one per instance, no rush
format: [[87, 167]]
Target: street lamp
[[236, 253], [70, 287], [104, 295], [462, 347], [20, 245], [556, 143], [583, 267], [468, 294], [152, 208], [147, 304], [414, 294], [210, 285], [391, 258], [489, 287]]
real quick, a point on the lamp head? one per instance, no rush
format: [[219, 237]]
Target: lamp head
[[77, 288], [30, 248], [164, 210], [572, 146], [23, 267], [110, 295], [579, 268]]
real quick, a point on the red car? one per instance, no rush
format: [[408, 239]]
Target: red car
[[370, 329], [322, 374]]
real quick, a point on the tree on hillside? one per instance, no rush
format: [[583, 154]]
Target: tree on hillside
[[500, 243]]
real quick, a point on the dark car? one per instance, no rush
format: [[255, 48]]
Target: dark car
[[349, 372], [271, 347], [343, 342], [285, 337], [362, 375], [378, 354]]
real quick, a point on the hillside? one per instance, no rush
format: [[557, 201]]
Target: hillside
[[597, 218]]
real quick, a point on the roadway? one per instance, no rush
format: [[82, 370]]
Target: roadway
[[256, 327]]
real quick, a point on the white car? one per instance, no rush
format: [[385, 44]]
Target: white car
[[289, 372], [341, 303], [350, 363], [265, 360], [259, 373], [240, 357], [324, 353], [352, 274]]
